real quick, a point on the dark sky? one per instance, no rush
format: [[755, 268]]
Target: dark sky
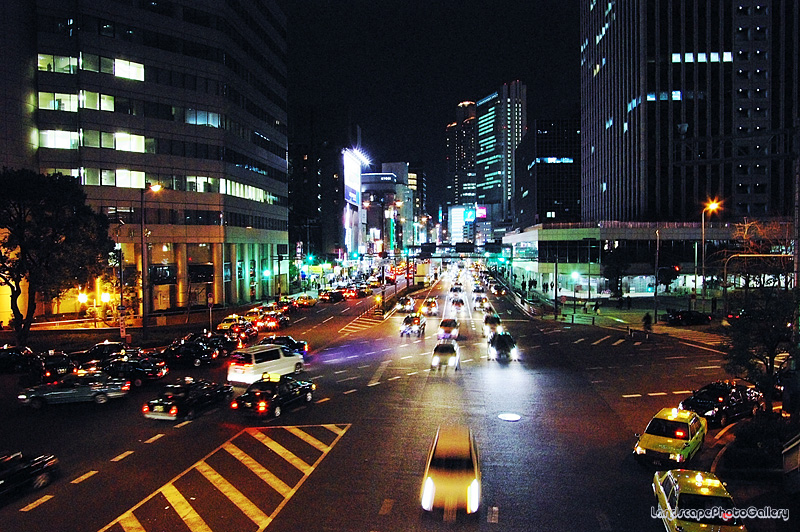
[[399, 68]]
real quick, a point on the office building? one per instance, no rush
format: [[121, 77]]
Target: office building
[[462, 148]]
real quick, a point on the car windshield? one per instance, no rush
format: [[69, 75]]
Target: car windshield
[[445, 349], [503, 341], [449, 323], [450, 463], [710, 394], [668, 428], [693, 501], [241, 358], [172, 392], [263, 388]]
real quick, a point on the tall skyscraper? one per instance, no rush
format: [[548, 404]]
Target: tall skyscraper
[[462, 143], [502, 122], [186, 94], [688, 100], [548, 174]]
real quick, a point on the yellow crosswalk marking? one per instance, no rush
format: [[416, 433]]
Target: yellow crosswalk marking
[[184, 509], [236, 496], [129, 523], [308, 438], [274, 482], [283, 452], [335, 429]]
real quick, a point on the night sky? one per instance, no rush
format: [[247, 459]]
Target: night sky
[[399, 68]]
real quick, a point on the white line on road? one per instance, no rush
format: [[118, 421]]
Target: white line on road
[[594, 368], [604, 338], [706, 348], [722, 432], [656, 394], [407, 356], [493, 515], [579, 340], [394, 378], [350, 391], [674, 358], [379, 373], [637, 343], [154, 438], [618, 341], [347, 379], [681, 392], [340, 371], [327, 319], [179, 425], [630, 395], [707, 367], [412, 373], [83, 477], [301, 319], [373, 383], [122, 456]]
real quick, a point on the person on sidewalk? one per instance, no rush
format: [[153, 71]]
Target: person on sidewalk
[[647, 323]]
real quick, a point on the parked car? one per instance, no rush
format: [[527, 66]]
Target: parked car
[[186, 398], [722, 401], [14, 359], [96, 386], [271, 394], [244, 331], [224, 344], [20, 473], [687, 317], [230, 321], [294, 347]]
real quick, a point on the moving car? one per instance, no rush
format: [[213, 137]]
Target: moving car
[[502, 345], [405, 304], [256, 317], [46, 368], [680, 493], [274, 321], [136, 370], [452, 479], [95, 386], [244, 331], [98, 352], [491, 324], [687, 317], [294, 347], [186, 398], [448, 328], [223, 343], [721, 401], [331, 296], [430, 307], [189, 354], [458, 304], [498, 289], [445, 355], [271, 394], [305, 301], [249, 364], [230, 321], [481, 302], [672, 436], [413, 324], [19, 473]]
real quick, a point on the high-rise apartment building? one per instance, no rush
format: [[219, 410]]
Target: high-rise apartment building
[[688, 100], [502, 122], [462, 149], [186, 94]]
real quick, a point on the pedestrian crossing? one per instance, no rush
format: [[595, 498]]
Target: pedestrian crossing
[[361, 323], [242, 485]]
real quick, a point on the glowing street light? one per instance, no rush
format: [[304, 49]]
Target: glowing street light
[[710, 207]]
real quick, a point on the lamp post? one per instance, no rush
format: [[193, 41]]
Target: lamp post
[[710, 207], [145, 288]]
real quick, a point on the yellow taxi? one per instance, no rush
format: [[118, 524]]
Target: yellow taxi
[[690, 501], [452, 479], [673, 436]]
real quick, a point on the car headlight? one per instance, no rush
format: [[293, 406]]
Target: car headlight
[[435, 361], [451, 361], [428, 490], [492, 352], [499, 328], [514, 353], [710, 413], [676, 457], [639, 449], [473, 496], [22, 397]]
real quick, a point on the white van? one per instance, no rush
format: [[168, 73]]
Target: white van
[[251, 363]]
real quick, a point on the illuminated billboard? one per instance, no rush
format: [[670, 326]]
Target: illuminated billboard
[[353, 160]]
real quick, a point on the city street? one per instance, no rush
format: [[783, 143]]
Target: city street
[[353, 458]]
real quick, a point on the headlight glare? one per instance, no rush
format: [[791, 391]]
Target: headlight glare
[[428, 490]]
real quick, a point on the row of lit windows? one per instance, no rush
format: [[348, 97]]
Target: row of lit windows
[[120, 68], [702, 57], [125, 178], [71, 140], [58, 101]]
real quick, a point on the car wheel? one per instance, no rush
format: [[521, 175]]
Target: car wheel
[[308, 397], [277, 411], [41, 480], [196, 362], [298, 368], [37, 404], [101, 399], [137, 383], [723, 419]]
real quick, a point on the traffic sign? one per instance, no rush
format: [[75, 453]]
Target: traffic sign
[[563, 299]]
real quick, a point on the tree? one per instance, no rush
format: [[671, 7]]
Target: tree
[[50, 240], [759, 337], [615, 266]]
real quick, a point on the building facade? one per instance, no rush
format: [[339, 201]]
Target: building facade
[[462, 148], [688, 100], [186, 95], [502, 122], [548, 174]]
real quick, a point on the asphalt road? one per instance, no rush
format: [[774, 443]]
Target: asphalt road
[[352, 460]]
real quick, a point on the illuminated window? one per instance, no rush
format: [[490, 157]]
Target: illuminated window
[[108, 178], [127, 142], [90, 100], [130, 178], [128, 70], [90, 62], [58, 101], [91, 176], [90, 138], [106, 102], [61, 140]]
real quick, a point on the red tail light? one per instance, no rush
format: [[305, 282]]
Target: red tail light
[[262, 406], [126, 386], [679, 434], [173, 411], [305, 348], [46, 373], [145, 409], [234, 405]]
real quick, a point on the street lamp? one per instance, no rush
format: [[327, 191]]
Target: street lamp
[[145, 291], [710, 207]]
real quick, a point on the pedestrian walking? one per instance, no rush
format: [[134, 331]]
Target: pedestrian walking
[[628, 301], [647, 324]]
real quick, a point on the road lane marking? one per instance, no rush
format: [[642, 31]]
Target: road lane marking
[[373, 383], [722, 432], [322, 400], [84, 477], [681, 392], [262, 472], [179, 425], [122, 456], [618, 341], [350, 391], [493, 515], [706, 348], [579, 340], [412, 373], [630, 395], [386, 507], [637, 343], [379, 373], [36, 503], [129, 523], [674, 358], [235, 496], [154, 438], [184, 510], [347, 379], [407, 356], [281, 451], [394, 378], [603, 339], [656, 394], [327, 319], [594, 368], [707, 367], [311, 440]]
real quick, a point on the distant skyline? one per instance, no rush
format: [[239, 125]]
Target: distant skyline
[[399, 69]]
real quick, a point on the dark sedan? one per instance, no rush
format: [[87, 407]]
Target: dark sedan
[[186, 398], [223, 343], [294, 347], [191, 354], [99, 352], [687, 317], [268, 397], [136, 370], [722, 401], [19, 473], [14, 359], [46, 368], [96, 386]]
